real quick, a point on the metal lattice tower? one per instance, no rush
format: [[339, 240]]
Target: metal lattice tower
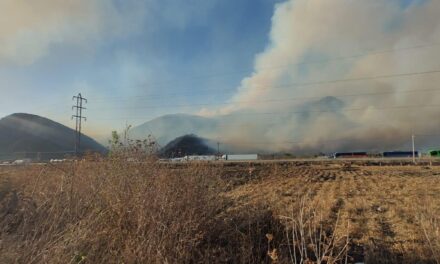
[[78, 119]]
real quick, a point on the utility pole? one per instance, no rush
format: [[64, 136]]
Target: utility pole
[[78, 119], [218, 148], [413, 149]]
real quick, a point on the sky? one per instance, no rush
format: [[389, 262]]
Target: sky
[[136, 60], [122, 53]]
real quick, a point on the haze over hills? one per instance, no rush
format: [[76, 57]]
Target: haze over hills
[[169, 127], [29, 133], [241, 131], [303, 130]]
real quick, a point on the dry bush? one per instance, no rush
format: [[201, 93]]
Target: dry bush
[[113, 211], [430, 227], [431, 231], [311, 239]]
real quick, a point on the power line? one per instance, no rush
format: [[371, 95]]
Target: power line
[[286, 85], [337, 81], [292, 142], [397, 107], [377, 52], [232, 90], [78, 119], [427, 135], [44, 152], [277, 99], [365, 78], [328, 82]]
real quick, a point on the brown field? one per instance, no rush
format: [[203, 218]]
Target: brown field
[[109, 211]]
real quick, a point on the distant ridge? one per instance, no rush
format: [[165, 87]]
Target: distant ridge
[[22, 133], [169, 127], [235, 129], [186, 145]]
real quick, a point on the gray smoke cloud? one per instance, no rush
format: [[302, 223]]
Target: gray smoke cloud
[[308, 40], [28, 29]]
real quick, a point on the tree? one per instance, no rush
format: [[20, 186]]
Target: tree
[[115, 142]]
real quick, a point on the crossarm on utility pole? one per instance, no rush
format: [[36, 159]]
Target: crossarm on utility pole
[[78, 119]]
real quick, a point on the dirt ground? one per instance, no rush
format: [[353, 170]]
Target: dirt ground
[[382, 207]]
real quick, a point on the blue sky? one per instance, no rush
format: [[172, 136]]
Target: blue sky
[[129, 56], [175, 50]]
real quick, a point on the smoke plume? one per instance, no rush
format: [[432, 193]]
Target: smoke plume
[[296, 97], [29, 29]]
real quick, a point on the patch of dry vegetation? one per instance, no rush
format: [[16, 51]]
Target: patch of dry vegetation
[[112, 211]]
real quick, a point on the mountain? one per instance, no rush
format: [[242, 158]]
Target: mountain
[[187, 145], [314, 108], [21, 133], [237, 128], [169, 127]]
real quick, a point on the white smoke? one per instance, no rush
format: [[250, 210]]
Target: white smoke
[[28, 29], [323, 32]]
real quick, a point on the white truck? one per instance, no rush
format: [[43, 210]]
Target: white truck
[[240, 157], [22, 162]]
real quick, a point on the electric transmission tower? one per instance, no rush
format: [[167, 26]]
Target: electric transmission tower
[[78, 118]]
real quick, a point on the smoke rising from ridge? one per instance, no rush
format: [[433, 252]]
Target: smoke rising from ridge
[[308, 40]]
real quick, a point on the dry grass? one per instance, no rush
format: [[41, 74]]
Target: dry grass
[[111, 211]]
